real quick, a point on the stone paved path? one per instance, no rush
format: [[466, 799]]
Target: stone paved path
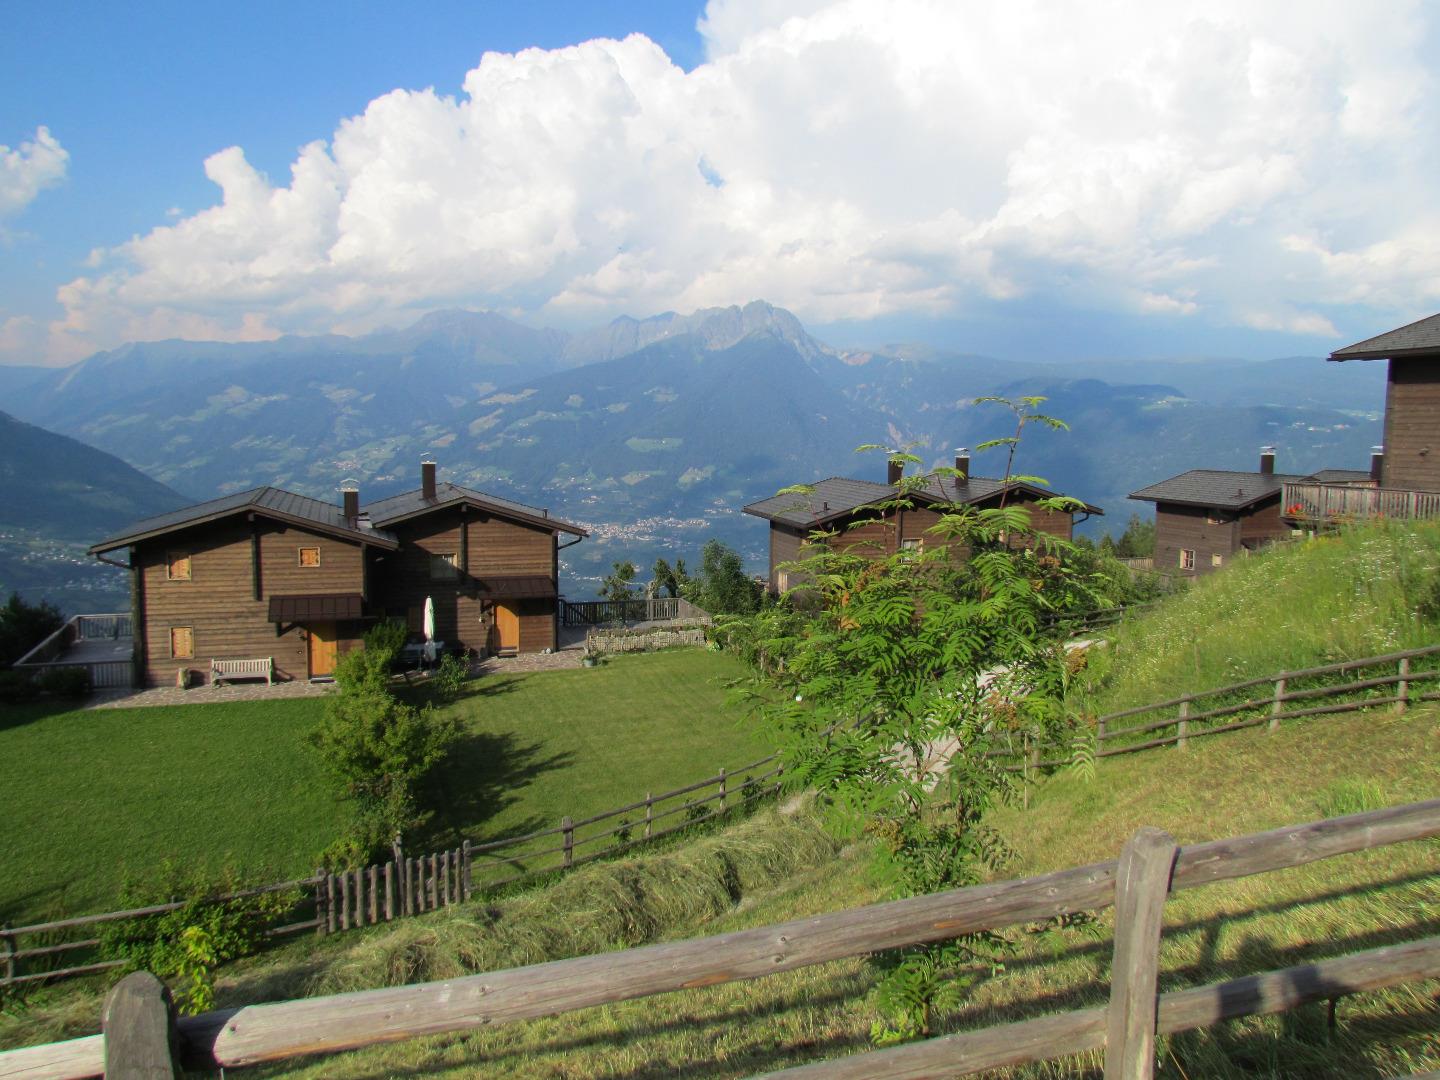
[[201, 695]]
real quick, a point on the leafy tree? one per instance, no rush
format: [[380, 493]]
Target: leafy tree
[[377, 748], [672, 579], [617, 584], [893, 688], [723, 587], [24, 625], [1138, 539]]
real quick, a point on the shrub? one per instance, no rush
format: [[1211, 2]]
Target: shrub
[[210, 928], [67, 682], [16, 687], [24, 625]]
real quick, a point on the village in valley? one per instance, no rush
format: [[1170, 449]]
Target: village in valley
[[688, 695]]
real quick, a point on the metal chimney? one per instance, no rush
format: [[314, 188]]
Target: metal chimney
[[1267, 460], [1377, 464], [962, 464], [427, 480], [350, 501]]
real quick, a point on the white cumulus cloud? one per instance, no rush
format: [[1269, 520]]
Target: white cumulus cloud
[[1238, 162], [29, 169]]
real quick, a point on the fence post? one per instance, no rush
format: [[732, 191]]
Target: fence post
[[445, 878], [1402, 685], [1025, 773], [9, 941], [407, 885], [390, 890], [331, 923], [434, 882], [569, 830], [1099, 730], [1277, 706], [722, 791], [465, 887], [1182, 725], [138, 1020], [1141, 884], [649, 814], [374, 894]]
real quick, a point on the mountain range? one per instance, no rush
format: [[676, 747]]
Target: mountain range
[[655, 432]]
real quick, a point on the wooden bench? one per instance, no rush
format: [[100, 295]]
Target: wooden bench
[[221, 670]]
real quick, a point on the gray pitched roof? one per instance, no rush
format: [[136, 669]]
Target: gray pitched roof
[[1340, 476], [1216, 487], [268, 501], [1417, 338], [837, 496], [396, 508]]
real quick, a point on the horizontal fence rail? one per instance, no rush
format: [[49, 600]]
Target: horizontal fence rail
[[270, 1032], [1409, 677], [405, 886], [1338, 502], [611, 612]]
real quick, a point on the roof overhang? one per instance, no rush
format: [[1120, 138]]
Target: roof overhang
[[1341, 355], [350, 535], [1201, 504], [919, 497], [316, 607], [553, 524], [516, 587]]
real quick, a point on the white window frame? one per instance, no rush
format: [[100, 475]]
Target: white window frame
[[1187, 558]]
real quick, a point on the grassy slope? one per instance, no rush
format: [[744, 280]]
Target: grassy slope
[[87, 795], [1243, 782], [1294, 606]]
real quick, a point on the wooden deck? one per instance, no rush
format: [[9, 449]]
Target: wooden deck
[[102, 644], [1333, 504]]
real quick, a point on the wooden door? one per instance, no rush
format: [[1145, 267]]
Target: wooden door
[[323, 648], [507, 628]]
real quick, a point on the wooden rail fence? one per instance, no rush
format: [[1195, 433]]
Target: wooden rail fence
[[1253, 703], [405, 886], [1150, 868]]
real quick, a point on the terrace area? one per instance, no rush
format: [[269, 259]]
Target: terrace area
[[1310, 503], [102, 644]]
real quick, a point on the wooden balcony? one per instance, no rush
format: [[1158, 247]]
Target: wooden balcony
[[103, 645], [1335, 503]]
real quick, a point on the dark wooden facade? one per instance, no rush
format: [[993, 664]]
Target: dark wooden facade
[[868, 532], [1412, 424], [235, 567], [271, 574], [484, 546]]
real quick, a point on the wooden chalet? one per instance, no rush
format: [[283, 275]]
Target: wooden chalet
[[1406, 483], [491, 566], [1204, 518], [267, 582], [847, 511]]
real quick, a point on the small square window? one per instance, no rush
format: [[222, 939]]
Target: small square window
[[309, 556], [1216, 518], [1187, 559], [912, 544], [1216, 560], [444, 566], [182, 643], [177, 566]]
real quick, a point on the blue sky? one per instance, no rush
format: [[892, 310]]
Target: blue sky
[[1015, 178]]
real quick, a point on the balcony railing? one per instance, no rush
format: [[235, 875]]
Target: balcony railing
[[101, 644], [1332, 503]]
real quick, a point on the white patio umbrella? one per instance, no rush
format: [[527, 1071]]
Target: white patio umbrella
[[429, 628]]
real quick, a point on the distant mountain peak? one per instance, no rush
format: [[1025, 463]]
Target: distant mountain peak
[[715, 328]]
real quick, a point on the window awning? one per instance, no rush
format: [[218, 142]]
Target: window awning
[[316, 608], [517, 587]]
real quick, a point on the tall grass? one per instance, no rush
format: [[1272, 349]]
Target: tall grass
[[1360, 592]]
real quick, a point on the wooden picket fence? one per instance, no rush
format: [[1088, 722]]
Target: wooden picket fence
[[140, 1032], [406, 886]]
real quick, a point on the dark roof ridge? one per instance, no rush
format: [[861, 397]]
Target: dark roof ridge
[[412, 503], [1416, 338], [271, 501]]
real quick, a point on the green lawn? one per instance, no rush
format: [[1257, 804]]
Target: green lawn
[[1236, 784], [87, 796]]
